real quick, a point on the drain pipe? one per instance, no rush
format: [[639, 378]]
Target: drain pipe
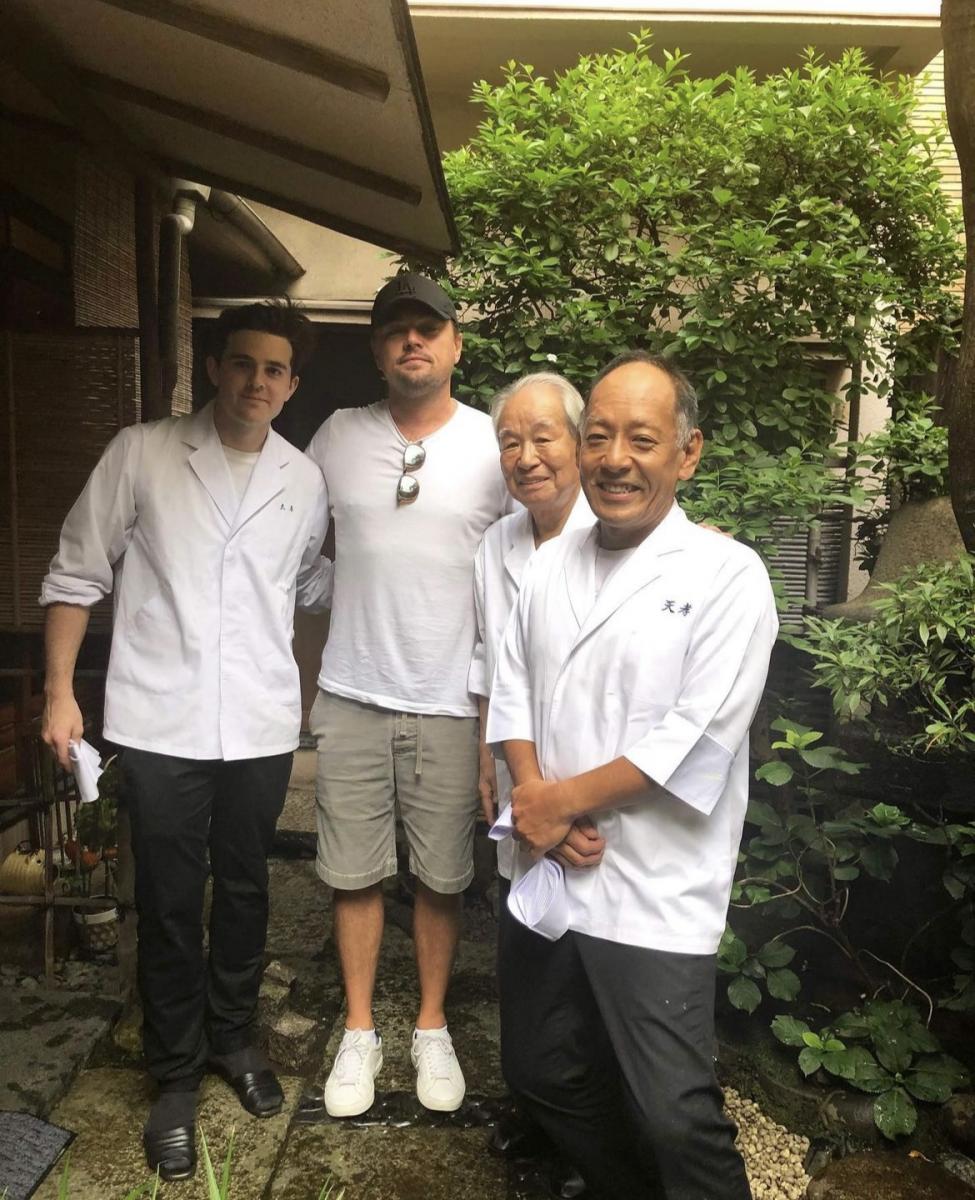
[[231, 208], [173, 228]]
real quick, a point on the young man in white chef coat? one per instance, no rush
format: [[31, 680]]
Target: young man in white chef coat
[[206, 528], [625, 686]]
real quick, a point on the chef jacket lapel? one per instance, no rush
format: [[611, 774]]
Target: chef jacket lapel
[[267, 479], [209, 462], [521, 546], [580, 577], [643, 567]]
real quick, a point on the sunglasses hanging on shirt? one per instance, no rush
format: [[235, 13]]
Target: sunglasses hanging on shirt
[[408, 488]]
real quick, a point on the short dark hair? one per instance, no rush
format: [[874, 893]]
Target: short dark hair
[[283, 318], [685, 397]]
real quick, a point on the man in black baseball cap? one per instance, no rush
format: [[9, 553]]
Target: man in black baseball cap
[[412, 288], [412, 481]]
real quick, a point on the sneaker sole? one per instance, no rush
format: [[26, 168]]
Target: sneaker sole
[[441, 1107], [343, 1110]]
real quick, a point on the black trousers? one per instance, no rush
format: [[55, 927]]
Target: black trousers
[[609, 1049], [191, 818]]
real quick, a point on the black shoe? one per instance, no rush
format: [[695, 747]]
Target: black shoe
[[514, 1137], [171, 1152], [566, 1183], [258, 1091]]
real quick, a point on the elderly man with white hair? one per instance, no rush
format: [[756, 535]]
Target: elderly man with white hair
[[536, 420]]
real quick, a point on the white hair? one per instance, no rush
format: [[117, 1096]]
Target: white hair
[[572, 402]]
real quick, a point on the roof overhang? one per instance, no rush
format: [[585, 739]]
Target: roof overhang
[[465, 40], [314, 108]]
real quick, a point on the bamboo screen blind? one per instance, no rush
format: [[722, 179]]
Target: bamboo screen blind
[[64, 396]]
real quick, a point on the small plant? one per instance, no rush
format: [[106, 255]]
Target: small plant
[[884, 1049], [963, 957], [768, 965], [916, 658], [96, 836]]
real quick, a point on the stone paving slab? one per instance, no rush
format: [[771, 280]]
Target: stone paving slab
[[107, 1108], [388, 1164], [300, 919], [46, 1036]]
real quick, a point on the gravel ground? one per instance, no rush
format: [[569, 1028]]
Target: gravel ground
[[774, 1157]]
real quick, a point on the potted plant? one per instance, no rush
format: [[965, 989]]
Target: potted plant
[[93, 852]]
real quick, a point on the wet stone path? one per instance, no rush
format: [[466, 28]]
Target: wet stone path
[[397, 1151]]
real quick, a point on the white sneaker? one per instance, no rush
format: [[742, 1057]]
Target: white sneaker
[[439, 1080], [349, 1089]]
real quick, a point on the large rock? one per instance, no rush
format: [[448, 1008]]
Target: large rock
[[887, 1175], [46, 1037], [921, 531], [291, 1040], [959, 1121]]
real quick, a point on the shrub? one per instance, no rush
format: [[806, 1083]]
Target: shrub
[[623, 203], [915, 659]]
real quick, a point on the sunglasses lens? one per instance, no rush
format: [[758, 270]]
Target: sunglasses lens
[[407, 489], [414, 456]]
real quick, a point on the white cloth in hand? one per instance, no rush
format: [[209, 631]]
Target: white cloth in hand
[[537, 898], [86, 763]]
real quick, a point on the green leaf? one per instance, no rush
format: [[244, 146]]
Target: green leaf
[[879, 860], [776, 954], [611, 252], [810, 1060], [846, 1063], [744, 994], [869, 1075], [731, 951], [760, 813], [894, 1050], [935, 1077], [789, 1030], [783, 984], [722, 195], [776, 772], [894, 1113]]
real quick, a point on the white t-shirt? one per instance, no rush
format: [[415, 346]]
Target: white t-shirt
[[241, 464], [403, 626]]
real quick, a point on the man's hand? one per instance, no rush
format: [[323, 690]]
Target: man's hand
[[487, 785], [582, 848], [537, 812], [62, 722]]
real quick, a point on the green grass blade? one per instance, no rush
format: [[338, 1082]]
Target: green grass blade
[[63, 1182], [213, 1190], [225, 1177]]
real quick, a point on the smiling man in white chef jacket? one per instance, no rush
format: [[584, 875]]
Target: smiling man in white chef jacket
[[206, 528], [627, 680]]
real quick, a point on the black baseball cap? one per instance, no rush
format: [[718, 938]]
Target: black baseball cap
[[415, 288]]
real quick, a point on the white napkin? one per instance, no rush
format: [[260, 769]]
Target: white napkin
[[86, 763], [538, 898]]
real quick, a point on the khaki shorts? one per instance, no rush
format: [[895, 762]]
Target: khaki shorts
[[371, 758]]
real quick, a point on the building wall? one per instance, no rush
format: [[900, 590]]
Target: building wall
[[930, 115]]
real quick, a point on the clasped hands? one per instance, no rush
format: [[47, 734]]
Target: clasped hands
[[542, 822]]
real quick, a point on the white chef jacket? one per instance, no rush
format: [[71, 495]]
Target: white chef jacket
[[666, 667], [501, 557], [201, 664]]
